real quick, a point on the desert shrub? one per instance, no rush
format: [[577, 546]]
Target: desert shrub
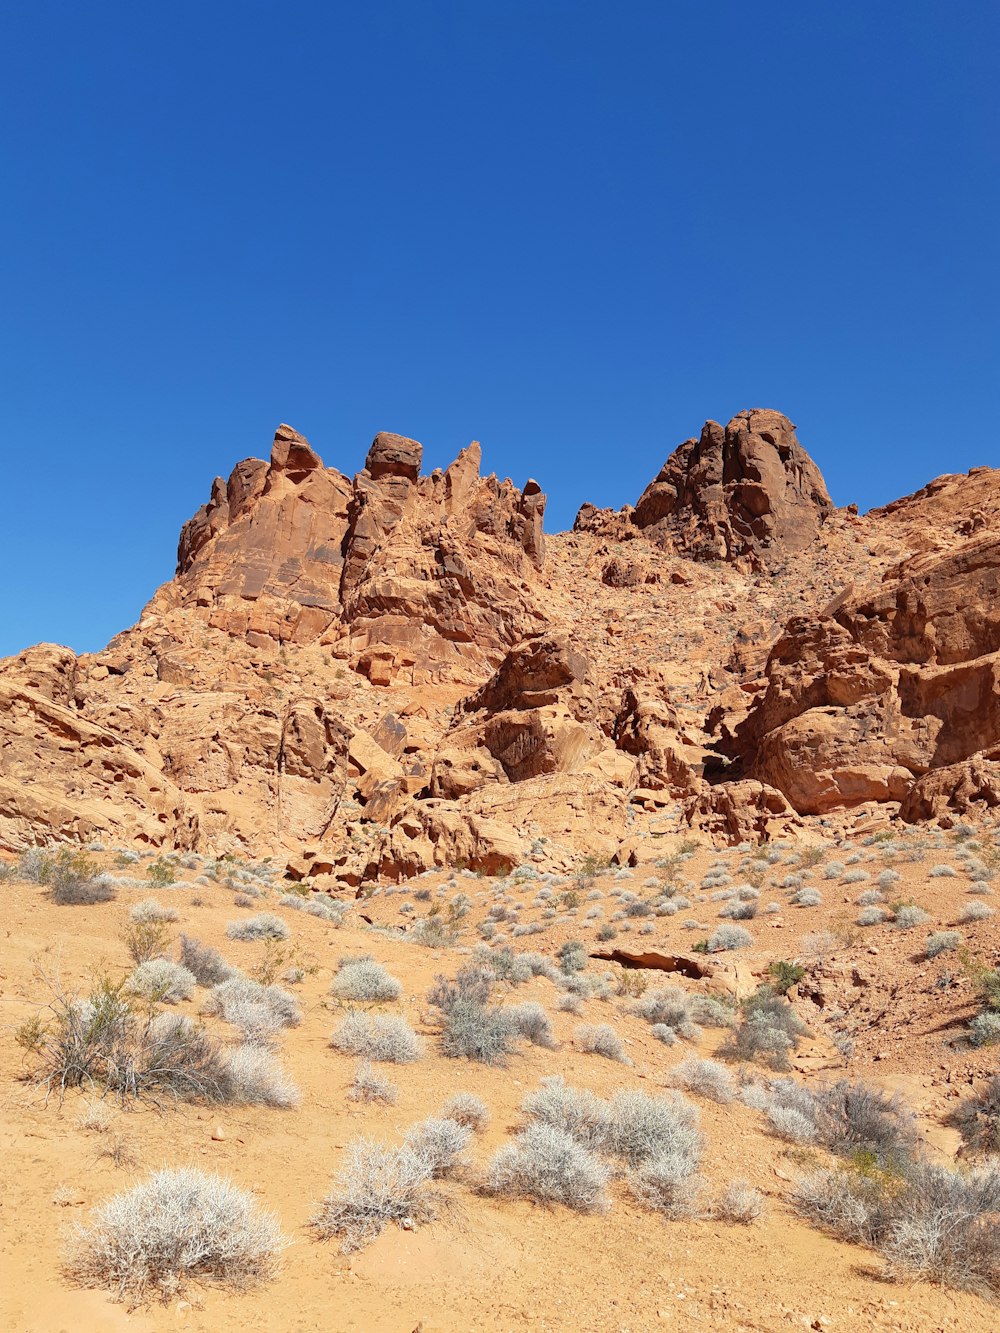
[[260, 1012], [870, 897], [471, 1027], [368, 1086], [441, 1142], [104, 1045], [833, 869], [574, 1111], [160, 979], [942, 941], [255, 1078], [467, 1109], [671, 1007], [264, 926], [569, 1004], [180, 1225], [572, 956], [146, 939], [728, 937], [740, 909], [317, 904], [207, 964], [549, 1165], [872, 916], [975, 912], [668, 1184], [739, 1202], [473, 1031], [784, 976], [377, 1185], [641, 1128], [977, 1118], [806, 898], [600, 1039], [72, 881], [909, 915], [707, 1077], [856, 1118], [768, 1029], [160, 872], [855, 876], [791, 1125], [364, 979], [943, 872], [984, 1030], [530, 1020], [150, 910], [381, 1037], [928, 1221]]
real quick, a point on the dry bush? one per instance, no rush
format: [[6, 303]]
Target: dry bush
[[263, 926], [377, 1185], [529, 1020], [739, 1202], [161, 980], [260, 1012], [600, 1039], [207, 964], [977, 1118], [549, 1165], [441, 1142], [151, 910], [927, 1220], [255, 1078], [768, 1030], [707, 1077], [380, 1037], [368, 1086], [467, 1109], [178, 1226], [363, 979]]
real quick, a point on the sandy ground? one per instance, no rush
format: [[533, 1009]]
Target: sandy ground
[[483, 1264]]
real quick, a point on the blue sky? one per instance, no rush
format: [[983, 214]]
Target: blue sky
[[573, 231]]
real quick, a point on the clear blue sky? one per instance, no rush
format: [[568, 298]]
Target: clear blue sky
[[570, 230]]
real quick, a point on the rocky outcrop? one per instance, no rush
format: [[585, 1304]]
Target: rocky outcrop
[[394, 570], [745, 492], [885, 688]]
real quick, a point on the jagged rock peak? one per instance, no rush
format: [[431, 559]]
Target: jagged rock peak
[[744, 492]]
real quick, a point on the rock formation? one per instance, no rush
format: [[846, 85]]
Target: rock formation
[[365, 677]]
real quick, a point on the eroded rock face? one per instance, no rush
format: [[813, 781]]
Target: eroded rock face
[[398, 571], [747, 491], [744, 492], [863, 702]]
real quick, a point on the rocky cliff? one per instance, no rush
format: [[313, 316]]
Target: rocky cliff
[[365, 676]]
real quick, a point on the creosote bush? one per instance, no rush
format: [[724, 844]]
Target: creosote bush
[[179, 1226], [385, 1038]]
